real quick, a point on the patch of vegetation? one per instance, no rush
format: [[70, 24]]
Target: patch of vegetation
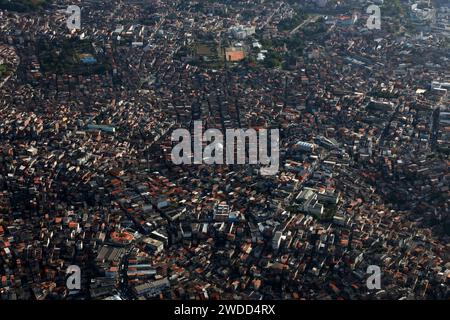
[[149, 18], [446, 43], [392, 8], [273, 60], [65, 57], [295, 44], [250, 62], [2, 70], [23, 5], [315, 31], [328, 213], [290, 24], [383, 94]]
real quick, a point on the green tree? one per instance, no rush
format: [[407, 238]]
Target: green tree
[[2, 69]]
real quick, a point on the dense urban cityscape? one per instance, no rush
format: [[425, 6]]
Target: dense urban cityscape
[[89, 101]]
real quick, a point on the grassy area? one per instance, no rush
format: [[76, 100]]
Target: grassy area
[[2, 69], [314, 31], [392, 8], [273, 60], [290, 24]]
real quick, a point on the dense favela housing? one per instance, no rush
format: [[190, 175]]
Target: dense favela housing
[[86, 176]]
